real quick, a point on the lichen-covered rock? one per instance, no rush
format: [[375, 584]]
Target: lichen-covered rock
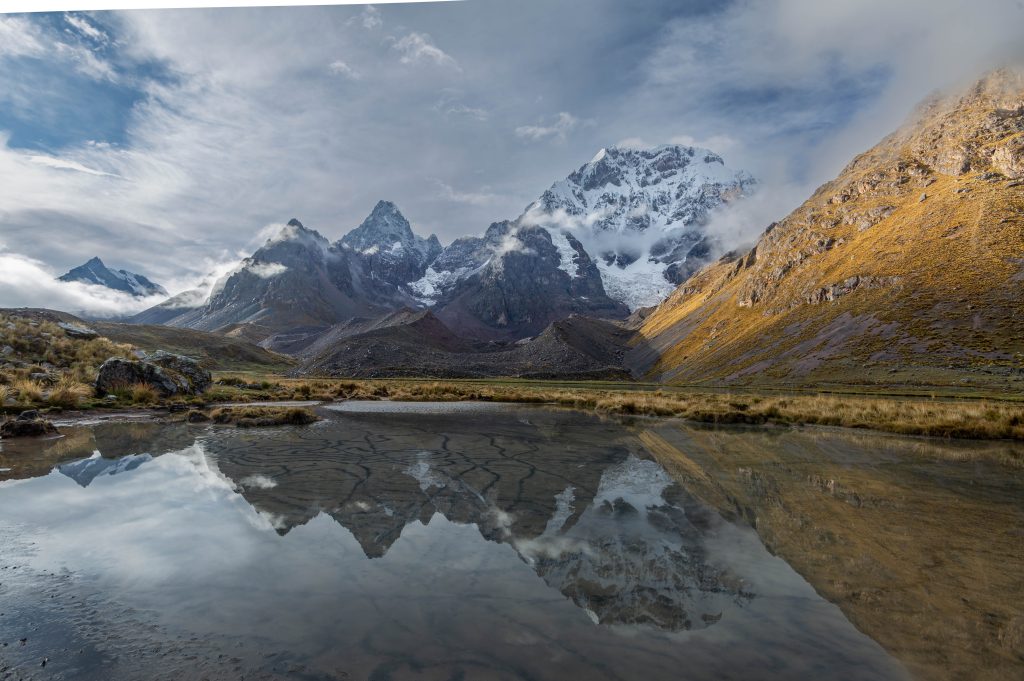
[[28, 424], [169, 374]]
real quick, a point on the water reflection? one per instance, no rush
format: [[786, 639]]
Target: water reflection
[[527, 544]]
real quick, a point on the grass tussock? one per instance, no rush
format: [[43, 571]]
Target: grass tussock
[[250, 417], [68, 392]]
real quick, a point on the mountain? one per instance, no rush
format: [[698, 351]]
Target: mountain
[[298, 284], [641, 213], [388, 248], [95, 272], [906, 268], [528, 278], [638, 214]]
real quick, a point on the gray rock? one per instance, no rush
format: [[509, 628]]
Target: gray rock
[[6, 350], [78, 331], [169, 374]]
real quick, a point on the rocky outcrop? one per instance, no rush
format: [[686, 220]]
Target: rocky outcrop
[[168, 373], [78, 331], [28, 424]]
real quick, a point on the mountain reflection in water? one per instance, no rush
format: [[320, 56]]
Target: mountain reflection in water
[[516, 544]]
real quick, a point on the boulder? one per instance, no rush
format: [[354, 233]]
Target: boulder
[[78, 331], [28, 424], [169, 374]]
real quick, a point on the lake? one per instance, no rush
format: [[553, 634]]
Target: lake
[[430, 541]]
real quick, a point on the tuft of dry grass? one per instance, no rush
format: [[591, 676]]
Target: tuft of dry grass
[[28, 391], [143, 393], [68, 392]]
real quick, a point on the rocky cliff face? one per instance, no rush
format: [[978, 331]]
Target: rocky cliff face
[[906, 267]]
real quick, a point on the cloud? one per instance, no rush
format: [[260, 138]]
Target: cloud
[[340, 68], [64, 164], [481, 198], [19, 38], [559, 129], [417, 47], [25, 282], [370, 18], [719, 144], [82, 25], [266, 270]]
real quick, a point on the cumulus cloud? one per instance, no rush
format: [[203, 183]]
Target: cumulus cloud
[[417, 47], [560, 128], [25, 282]]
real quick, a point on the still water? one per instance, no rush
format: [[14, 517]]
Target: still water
[[456, 542]]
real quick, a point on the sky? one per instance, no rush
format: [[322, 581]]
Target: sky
[[167, 142]]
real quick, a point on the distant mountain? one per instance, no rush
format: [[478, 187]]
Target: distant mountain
[[906, 268], [638, 214], [95, 272]]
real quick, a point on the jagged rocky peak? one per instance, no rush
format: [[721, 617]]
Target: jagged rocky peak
[[386, 229], [95, 272]]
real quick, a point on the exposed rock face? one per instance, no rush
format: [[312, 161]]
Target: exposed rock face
[[95, 272], [169, 374], [28, 424], [903, 262]]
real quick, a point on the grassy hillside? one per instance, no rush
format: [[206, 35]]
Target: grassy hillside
[[907, 269]]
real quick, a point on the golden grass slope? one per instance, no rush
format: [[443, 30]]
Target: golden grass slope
[[906, 269]]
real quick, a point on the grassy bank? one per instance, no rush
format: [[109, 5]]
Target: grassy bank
[[976, 418]]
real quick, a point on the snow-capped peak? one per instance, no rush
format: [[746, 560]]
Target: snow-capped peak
[[640, 214]]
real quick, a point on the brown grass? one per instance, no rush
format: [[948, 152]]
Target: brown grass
[[28, 391], [67, 393]]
